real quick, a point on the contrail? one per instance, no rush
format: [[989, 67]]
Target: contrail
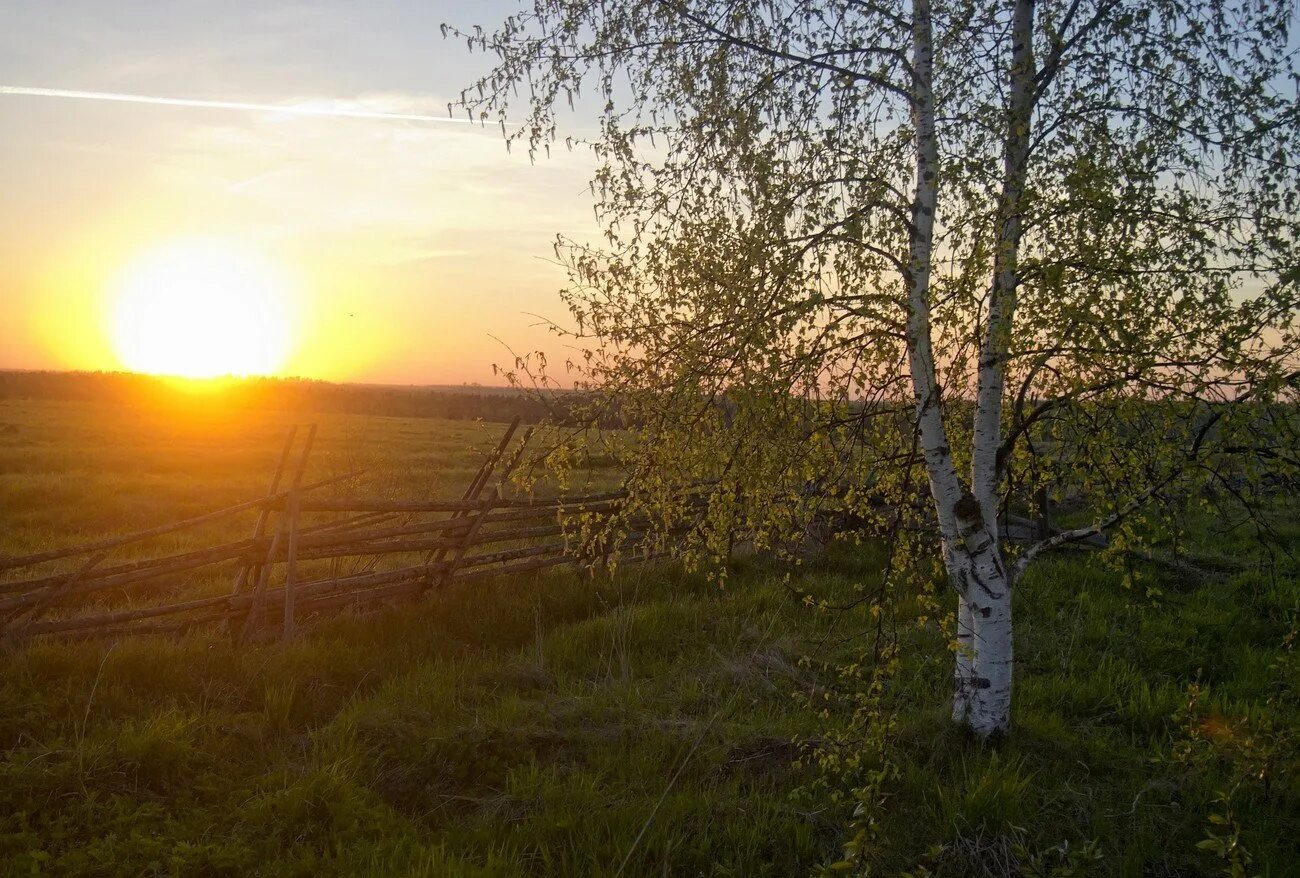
[[298, 110]]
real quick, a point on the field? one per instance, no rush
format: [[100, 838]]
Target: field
[[656, 724]]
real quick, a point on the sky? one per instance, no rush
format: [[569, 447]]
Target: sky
[[403, 250]]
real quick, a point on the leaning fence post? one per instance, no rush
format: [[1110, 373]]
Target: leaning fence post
[[517, 456], [259, 530], [23, 619], [291, 565], [485, 471], [479, 481], [468, 539], [254, 618], [492, 495]]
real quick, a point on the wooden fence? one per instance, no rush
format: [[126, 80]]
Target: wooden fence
[[291, 566], [397, 550]]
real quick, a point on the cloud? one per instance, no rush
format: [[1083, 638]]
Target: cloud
[[317, 107], [379, 186]]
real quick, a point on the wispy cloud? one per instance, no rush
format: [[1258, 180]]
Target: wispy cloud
[[314, 108]]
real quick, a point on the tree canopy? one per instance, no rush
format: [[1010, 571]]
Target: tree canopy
[[1008, 250]]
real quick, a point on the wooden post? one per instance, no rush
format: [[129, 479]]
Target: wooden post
[[476, 484], [467, 540], [472, 531], [291, 566], [259, 530], [254, 618], [517, 456], [485, 471]]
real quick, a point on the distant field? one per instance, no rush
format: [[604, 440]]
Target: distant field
[[73, 471], [77, 472], [266, 394], [557, 726]]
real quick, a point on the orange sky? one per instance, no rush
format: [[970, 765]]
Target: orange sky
[[399, 248]]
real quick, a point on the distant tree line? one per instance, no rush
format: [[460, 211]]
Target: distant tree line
[[469, 402]]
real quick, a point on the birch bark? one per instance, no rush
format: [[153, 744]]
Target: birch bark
[[986, 596], [945, 485]]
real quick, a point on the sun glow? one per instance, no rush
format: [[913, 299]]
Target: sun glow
[[201, 308]]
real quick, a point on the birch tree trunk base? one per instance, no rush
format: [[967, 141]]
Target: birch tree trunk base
[[985, 659], [989, 713]]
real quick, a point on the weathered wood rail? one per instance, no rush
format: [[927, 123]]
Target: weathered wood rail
[[367, 552], [289, 569]]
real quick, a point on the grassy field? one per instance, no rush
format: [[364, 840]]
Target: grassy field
[[73, 471], [646, 726]]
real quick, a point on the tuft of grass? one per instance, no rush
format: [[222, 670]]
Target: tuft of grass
[[985, 794]]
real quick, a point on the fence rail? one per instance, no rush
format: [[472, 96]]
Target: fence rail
[[290, 567]]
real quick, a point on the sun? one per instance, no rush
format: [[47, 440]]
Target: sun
[[201, 308]]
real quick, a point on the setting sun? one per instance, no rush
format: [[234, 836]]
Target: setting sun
[[199, 308]]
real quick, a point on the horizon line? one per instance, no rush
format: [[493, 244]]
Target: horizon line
[[51, 370]]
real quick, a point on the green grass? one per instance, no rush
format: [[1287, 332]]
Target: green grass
[[75, 471], [530, 724], [553, 725]]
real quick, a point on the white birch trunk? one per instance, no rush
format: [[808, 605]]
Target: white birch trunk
[[986, 469], [968, 520], [945, 485], [985, 703], [982, 699]]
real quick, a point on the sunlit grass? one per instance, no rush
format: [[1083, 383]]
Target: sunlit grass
[[533, 726]]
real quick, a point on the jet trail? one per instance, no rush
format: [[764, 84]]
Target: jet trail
[[297, 110]]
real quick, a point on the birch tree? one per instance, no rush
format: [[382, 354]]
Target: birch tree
[[1002, 249]]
